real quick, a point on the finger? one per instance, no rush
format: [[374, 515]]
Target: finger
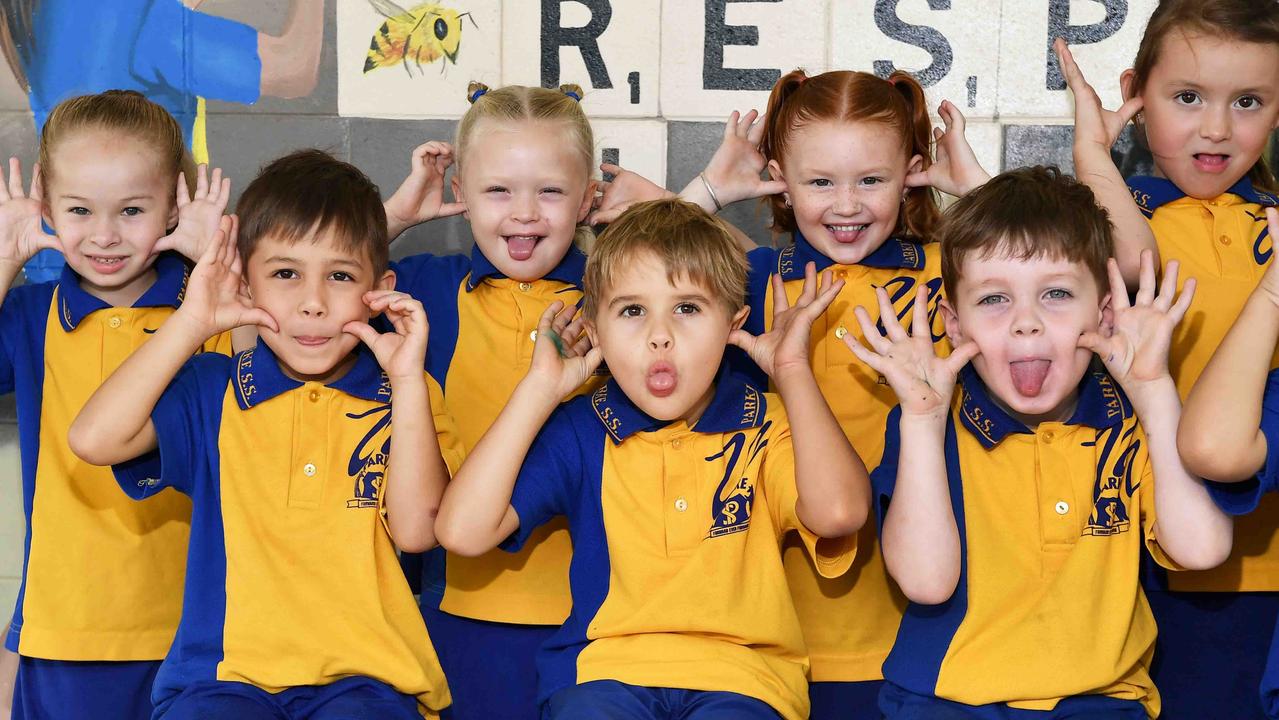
[[37, 186], [451, 209], [888, 316], [1168, 286], [756, 131], [1129, 109], [1066, 60], [747, 122], [874, 337], [780, 302], [730, 126], [1182, 306], [201, 181], [829, 292], [361, 330], [224, 194], [873, 360], [1146, 286], [1094, 341], [770, 187], [214, 249], [214, 185], [742, 339], [809, 290], [14, 189], [919, 328], [919, 179], [1272, 222], [180, 194], [1118, 288], [611, 169]]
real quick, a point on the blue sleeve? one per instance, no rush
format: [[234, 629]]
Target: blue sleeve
[[12, 322], [549, 479], [1241, 498], [197, 53], [883, 479], [433, 281], [186, 412]]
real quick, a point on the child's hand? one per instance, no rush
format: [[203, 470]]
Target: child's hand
[[624, 190], [956, 170], [199, 215], [784, 348], [1094, 124], [420, 197], [734, 169], [216, 298], [21, 233], [558, 367], [1136, 350], [402, 354], [924, 382]]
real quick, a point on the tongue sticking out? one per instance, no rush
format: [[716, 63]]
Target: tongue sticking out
[[662, 382], [520, 247], [1029, 376]]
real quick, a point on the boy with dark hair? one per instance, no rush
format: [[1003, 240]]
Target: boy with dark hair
[[1014, 515], [295, 605]]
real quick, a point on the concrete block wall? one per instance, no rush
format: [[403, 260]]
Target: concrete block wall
[[660, 77]]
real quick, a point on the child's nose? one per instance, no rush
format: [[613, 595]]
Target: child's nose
[[847, 202], [314, 303], [1216, 124], [525, 209]]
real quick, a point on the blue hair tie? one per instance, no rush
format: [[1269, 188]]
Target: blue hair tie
[[477, 95], [573, 95]]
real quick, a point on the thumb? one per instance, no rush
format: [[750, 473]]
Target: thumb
[[450, 209], [742, 339], [593, 358], [918, 179], [772, 187], [1094, 341], [261, 318], [962, 355], [361, 330]]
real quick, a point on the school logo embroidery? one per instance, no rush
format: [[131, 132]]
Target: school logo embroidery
[[902, 288], [1114, 487], [735, 496], [367, 466]]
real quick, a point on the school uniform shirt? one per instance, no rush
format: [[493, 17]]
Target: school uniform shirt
[[102, 575], [1225, 244], [483, 328], [1052, 526], [677, 576], [849, 621], [294, 578]]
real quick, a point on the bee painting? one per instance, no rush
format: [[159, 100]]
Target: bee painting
[[421, 36]]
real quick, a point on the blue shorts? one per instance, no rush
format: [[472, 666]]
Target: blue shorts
[[490, 666], [612, 700], [1211, 653], [897, 703], [353, 698], [75, 690], [845, 700]]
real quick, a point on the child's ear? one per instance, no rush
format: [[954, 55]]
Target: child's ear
[[1127, 87], [950, 319], [775, 173], [739, 319], [588, 325], [386, 282], [915, 165], [172, 223], [458, 196], [587, 201], [1106, 316]]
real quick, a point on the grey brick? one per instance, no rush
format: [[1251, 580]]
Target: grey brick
[[689, 147], [242, 144]]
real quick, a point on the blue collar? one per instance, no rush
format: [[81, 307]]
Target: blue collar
[[568, 271], [1151, 193], [736, 405], [258, 377], [167, 291], [894, 254], [1101, 405]]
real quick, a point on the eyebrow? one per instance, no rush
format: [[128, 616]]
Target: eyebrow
[[131, 198], [297, 261]]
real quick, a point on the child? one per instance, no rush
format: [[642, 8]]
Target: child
[[1228, 430], [1205, 93], [101, 589], [1014, 515], [295, 606], [849, 156], [524, 180], [680, 607]]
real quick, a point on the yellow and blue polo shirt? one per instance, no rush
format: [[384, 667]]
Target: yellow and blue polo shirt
[[677, 576], [101, 575], [293, 577], [1053, 522], [1225, 244], [483, 327], [849, 621]]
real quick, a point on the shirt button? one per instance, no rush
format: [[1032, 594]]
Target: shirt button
[[1225, 239], [681, 504], [1062, 507], [840, 332], [676, 443], [525, 286], [115, 321], [314, 396], [1047, 436], [308, 469], [533, 336]]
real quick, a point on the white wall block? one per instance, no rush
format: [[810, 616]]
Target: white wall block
[[987, 140], [639, 145], [420, 87], [707, 72], [593, 42], [1104, 34], [951, 50]]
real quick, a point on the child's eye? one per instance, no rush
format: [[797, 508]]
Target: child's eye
[[687, 308], [342, 276], [872, 180], [990, 300], [78, 211], [495, 189], [1248, 102], [1188, 97], [285, 274], [1058, 294], [553, 190], [632, 311], [131, 211], [820, 182]]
